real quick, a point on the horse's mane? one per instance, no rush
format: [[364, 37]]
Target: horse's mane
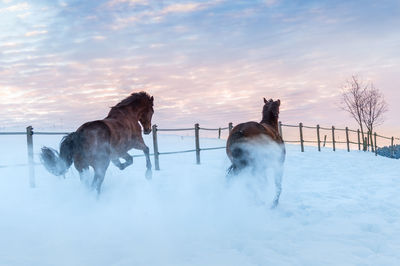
[[134, 98]]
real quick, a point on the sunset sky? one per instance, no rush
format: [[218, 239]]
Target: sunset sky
[[63, 63]]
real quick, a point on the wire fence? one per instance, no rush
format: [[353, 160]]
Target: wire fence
[[197, 149], [367, 141]]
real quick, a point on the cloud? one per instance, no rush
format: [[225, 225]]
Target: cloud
[[8, 44], [202, 63], [189, 7], [24, 15], [99, 37], [154, 13], [15, 8], [182, 8], [35, 33], [114, 3]]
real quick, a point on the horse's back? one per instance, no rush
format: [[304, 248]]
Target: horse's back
[[118, 135], [242, 133], [251, 132], [95, 131], [249, 129]]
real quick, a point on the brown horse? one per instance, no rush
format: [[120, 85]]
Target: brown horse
[[98, 142], [247, 139]]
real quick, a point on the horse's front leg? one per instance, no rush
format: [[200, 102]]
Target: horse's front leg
[[141, 146], [128, 161], [117, 163]]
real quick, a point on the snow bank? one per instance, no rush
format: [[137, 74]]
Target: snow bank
[[336, 209]]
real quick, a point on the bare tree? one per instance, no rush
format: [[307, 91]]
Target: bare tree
[[366, 105], [374, 107], [353, 94]]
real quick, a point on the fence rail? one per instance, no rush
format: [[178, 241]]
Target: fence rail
[[369, 142]]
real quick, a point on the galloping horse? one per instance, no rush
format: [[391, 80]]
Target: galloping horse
[[98, 142], [247, 139]]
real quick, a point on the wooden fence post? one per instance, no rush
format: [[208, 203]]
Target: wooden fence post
[[219, 133], [365, 144], [280, 129], [301, 137], [359, 142], [319, 139], [324, 140], [230, 126], [347, 139], [155, 147], [333, 138], [197, 137], [368, 140], [372, 142], [375, 146], [392, 150], [31, 166]]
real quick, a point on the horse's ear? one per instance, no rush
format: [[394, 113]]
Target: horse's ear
[[152, 99], [279, 102], [265, 100]]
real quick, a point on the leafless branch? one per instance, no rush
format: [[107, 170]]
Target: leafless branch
[[353, 94], [375, 107]]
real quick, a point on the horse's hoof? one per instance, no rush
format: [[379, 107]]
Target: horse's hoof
[[149, 174], [274, 204], [122, 166]]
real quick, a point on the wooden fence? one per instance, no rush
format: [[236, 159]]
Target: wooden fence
[[362, 144], [197, 148], [302, 141]]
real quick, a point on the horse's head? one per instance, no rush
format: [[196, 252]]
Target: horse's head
[[271, 107], [146, 115]]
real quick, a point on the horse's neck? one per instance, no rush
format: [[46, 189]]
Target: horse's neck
[[131, 113], [271, 121]]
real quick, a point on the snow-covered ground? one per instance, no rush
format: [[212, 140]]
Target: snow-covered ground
[[336, 209]]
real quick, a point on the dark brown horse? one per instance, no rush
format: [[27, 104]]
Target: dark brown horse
[[246, 140], [98, 142]]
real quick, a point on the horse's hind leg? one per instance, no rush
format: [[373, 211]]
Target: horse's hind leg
[[99, 173], [83, 169], [84, 175], [232, 170], [98, 179], [278, 185]]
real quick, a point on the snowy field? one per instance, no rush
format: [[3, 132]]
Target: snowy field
[[336, 209]]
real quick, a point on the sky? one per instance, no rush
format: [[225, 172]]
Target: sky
[[63, 63]]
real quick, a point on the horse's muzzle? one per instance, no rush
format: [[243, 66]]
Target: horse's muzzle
[[147, 131]]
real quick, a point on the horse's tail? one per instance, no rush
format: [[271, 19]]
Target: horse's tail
[[58, 163]]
